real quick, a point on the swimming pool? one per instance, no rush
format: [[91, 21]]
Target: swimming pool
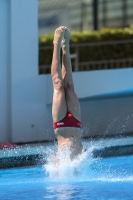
[[86, 178]]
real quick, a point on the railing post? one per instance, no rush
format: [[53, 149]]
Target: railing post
[[125, 14], [95, 14]]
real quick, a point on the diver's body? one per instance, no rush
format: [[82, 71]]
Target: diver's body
[[65, 109]]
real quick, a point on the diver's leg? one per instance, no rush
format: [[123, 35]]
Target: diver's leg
[[59, 107], [72, 101]]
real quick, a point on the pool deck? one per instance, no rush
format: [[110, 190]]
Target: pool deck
[[36, 154]]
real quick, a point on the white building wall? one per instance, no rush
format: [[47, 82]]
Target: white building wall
[[28, 111], [32, 120], [4, 45], [98, 83]]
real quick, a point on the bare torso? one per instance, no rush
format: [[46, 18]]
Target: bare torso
[[69, 137]]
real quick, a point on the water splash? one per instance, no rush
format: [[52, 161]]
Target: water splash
[[64, 167], [87, 168]]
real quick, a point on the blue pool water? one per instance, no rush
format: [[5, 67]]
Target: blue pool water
[[86, 178]]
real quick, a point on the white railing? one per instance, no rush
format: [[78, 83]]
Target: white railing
[[93, 65]]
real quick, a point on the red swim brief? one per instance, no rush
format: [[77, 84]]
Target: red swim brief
[[68, 121]]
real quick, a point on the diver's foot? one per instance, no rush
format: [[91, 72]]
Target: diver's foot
[[65, 40], [66, 35], [58, 35]]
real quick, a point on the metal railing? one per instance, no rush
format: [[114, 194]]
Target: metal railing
[[92, 65]]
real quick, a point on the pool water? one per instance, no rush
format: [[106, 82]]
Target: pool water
[[85, 178]]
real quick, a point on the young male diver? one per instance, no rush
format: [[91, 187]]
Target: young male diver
[[65, 108]]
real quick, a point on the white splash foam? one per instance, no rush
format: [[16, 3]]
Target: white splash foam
[[83, 168], [66, 169]]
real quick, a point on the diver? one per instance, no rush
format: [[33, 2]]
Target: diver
[[65, 108]]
